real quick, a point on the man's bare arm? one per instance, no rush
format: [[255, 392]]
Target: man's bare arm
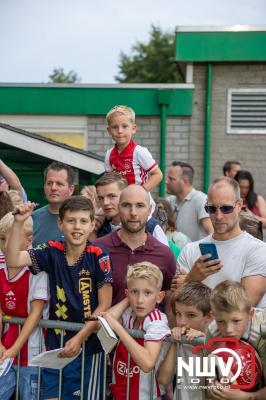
[[10, 176], [255, 286]]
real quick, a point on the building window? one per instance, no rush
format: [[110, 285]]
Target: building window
[[246, 111], [66, 129]]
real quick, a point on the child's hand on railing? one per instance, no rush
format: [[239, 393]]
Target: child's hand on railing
[[178, 331], [192, 334], [112, 321]]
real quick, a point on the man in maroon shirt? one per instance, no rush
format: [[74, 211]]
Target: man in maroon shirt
[[132, 243]]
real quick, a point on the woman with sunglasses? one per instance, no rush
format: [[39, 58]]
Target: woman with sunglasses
[[252, 201]]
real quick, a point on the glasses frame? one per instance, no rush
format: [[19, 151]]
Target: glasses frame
[[220, 207]]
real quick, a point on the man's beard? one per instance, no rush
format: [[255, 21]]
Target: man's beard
[[127, 227]]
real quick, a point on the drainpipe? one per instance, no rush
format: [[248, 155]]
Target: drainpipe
[[207, 142], [164, 100]]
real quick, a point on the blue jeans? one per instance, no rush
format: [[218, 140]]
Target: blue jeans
[[28, 383], [71, 379]]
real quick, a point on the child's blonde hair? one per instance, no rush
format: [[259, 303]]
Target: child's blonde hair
[[229, 296], [7, 221], [15, 197], [89, 191], [145, 270], [122, 110]]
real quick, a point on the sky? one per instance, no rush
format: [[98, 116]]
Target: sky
[[88, 36]]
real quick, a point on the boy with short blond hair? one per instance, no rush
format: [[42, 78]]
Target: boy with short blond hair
[[235, 317], [21, 295], [191, 307], [144, 282], [134, 162], [80, 280], [124, 110]]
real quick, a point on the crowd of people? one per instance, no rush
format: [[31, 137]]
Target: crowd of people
[[115, 252]]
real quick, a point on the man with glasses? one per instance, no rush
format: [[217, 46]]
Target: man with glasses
[[187, 202], [241, 256]]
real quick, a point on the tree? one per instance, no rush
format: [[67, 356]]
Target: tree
[[151, 62], [60, 76]]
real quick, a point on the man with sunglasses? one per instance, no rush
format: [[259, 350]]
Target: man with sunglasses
[[241, 256]]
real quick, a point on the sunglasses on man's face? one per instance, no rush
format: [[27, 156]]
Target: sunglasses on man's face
[[224, 208]]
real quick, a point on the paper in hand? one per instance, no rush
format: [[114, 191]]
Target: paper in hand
[[5, 367], [106, 336], [50, 359]]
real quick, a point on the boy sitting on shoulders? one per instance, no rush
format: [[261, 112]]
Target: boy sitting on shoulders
[[134, 162]]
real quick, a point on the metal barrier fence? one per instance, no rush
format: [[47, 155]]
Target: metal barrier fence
[[69, 326]]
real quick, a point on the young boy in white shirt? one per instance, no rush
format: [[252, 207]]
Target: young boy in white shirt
[[144, 282]]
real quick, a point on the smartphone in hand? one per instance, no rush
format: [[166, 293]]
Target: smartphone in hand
[[209, 248]]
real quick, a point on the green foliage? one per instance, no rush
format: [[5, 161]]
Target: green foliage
[[151, 62], [60, 76]]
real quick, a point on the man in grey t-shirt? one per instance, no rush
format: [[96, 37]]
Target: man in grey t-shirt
[[187, 202], [241, 256]]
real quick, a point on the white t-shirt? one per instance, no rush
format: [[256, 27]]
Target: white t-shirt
[[159, 234], [241, 256]]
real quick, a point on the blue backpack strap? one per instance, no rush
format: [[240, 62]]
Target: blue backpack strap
[[151, 224]]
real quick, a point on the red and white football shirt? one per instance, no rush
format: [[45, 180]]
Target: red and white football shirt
[[155, 327], [134, 162], [2, 259], [16, 295]]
